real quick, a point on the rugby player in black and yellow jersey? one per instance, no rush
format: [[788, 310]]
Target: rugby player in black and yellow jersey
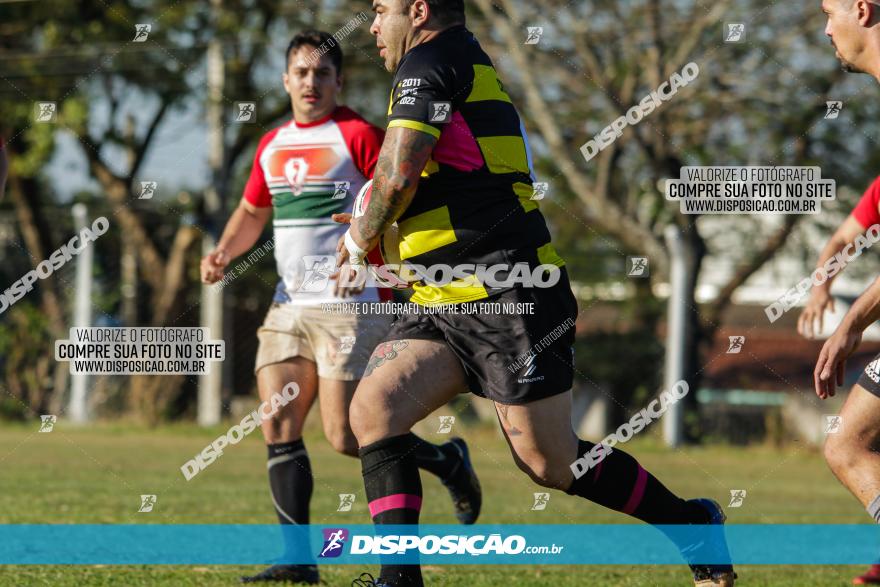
[[455, 173]]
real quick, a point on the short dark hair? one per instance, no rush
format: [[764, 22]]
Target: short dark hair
[[319, 40], [446, 11]]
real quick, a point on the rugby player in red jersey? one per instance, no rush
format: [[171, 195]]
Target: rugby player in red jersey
[[842, 244], [852, 26]]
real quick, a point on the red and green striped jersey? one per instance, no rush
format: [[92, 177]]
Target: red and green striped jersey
[[307, 172]]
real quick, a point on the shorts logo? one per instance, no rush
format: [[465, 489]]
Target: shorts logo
[[873, 370], [530, 369], [334, 540]]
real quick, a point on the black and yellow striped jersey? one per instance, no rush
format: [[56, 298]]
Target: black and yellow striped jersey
[[474, 203]]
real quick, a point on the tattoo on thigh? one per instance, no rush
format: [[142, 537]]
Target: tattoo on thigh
[[505, 423], [386, 351]]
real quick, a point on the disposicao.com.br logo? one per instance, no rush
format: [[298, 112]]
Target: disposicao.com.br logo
[[334, 542], [450, 544]]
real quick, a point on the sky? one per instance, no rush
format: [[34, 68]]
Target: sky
[[178, 158]]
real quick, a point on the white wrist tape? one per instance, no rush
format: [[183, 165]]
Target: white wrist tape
[[355, 253]]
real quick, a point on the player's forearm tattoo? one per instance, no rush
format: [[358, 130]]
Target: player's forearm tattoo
[[505, 423], [404, 155], [385, 352]]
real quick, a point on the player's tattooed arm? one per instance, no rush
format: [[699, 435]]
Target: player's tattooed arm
[[385, 352], [404, 154]]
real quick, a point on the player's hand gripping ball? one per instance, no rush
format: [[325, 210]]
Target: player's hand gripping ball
[[387, 252]]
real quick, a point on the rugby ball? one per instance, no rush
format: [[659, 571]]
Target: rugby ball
[[388, 250]]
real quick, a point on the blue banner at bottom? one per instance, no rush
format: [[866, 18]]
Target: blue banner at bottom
[[439, 544]]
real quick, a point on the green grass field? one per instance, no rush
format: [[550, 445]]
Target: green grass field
[[96, 475]]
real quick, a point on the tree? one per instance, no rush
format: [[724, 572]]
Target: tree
[[115, 94]]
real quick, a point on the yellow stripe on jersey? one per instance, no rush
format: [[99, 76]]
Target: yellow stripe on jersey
[[525, 192], [425, 232], [430, 167], [457, 291], [415, 125], [504, 154], [547, 255], [487, 86], [390, 101]]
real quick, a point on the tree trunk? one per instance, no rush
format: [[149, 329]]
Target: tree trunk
[[151, 395], [41, 395], [37, 238]]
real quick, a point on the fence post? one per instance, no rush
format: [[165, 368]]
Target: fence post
[[82, 314]]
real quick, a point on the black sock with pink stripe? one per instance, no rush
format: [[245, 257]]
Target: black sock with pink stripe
[[394, 493], [620, 483]]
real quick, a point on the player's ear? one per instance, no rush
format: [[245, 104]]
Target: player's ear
[[419, 13], [285, 79], [340, 81], [866, 12]]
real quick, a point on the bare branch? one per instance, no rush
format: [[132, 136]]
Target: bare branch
[[118, 190], [167, 297], [748, 268], [604, 211], [694, 32], [140, 150]]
